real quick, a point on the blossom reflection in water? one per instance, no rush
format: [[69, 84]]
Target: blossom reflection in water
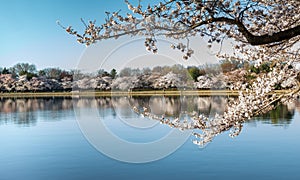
[[181, 112]]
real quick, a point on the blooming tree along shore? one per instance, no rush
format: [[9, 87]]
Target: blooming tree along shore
[[261, 30]]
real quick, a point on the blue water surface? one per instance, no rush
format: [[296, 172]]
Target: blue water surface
[[48, 144]]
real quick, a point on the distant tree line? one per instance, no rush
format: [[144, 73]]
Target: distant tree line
[[186, 73], [190, 72], [56, 73]]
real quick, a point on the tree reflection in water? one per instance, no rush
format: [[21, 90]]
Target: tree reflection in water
[[24, 111], [281, 116]]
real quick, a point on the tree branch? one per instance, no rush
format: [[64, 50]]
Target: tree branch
[[254, 39]]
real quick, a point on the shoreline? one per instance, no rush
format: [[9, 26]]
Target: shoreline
[[124, 93]]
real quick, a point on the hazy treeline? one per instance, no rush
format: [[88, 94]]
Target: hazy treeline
[[57, 73], [24, 77]]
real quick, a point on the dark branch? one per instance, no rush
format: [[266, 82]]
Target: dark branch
[[268, 39], [254, 39]]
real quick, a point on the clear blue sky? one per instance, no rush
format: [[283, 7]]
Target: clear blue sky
[[29, 32]]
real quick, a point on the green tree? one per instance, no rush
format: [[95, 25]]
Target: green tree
[[5, 71], [42, 73], [194, 72], [113, 73], [24, 69]]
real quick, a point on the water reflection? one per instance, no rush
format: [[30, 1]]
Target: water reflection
[[24, 111], [281, 116], [10, 105]]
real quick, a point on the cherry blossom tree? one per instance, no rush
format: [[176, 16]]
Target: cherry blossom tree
[[262, 31]]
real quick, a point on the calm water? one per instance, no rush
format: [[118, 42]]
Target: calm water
[[42, 139]]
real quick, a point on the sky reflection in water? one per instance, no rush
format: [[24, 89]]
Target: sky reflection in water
[[41, 139]]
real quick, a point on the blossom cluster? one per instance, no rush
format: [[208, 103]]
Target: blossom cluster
[[254, 99]]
